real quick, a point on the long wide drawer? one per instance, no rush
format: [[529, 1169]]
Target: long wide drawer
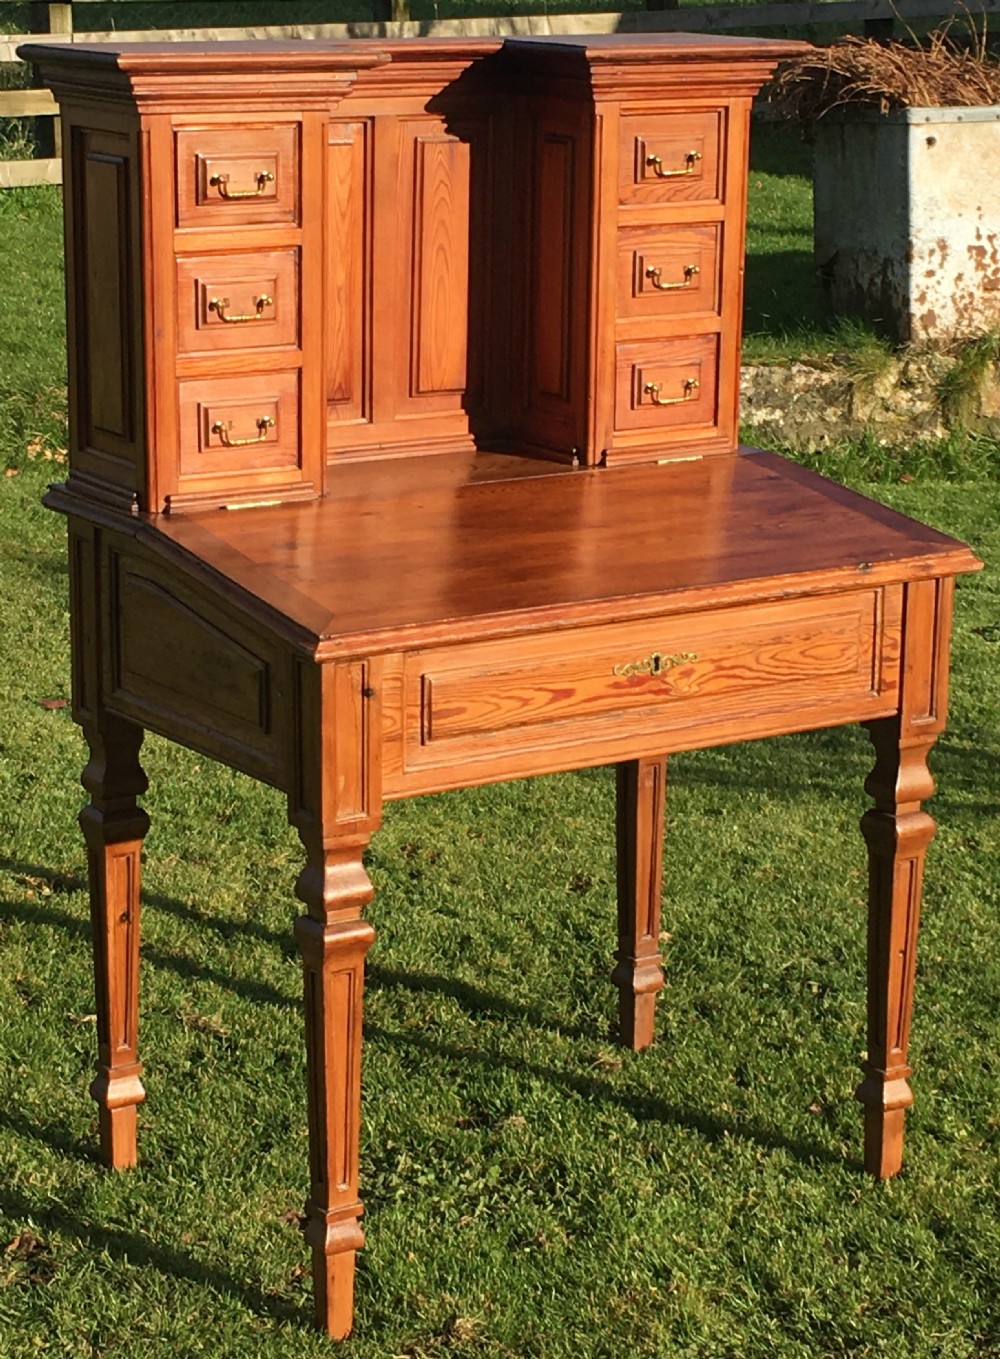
[[678, 682]]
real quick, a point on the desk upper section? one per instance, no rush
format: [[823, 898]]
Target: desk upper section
[[286, 254]]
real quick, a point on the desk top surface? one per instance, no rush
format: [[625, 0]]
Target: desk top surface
[[422, 550]]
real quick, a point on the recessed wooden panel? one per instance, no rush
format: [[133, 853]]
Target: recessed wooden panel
[[440, 319], [347, 262], [669, 271], [237, 176], [236, 302], [239, 425], [553, 268], [671, 157], [183, 669], [105, 267], [666, 384], [647, 676]]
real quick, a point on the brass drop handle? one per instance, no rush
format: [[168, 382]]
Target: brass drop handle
[[654, 274], [221, 182], [265, 423], [691, 385], [656, 664], [691, 159], [219, 305]]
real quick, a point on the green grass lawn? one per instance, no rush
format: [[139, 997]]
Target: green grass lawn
[[533, 1191]]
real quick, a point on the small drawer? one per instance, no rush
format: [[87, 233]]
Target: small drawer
[[671, 157], [660, 385], [239, 424], [237, 176], [669, 271], [687, 674], [238, 301]]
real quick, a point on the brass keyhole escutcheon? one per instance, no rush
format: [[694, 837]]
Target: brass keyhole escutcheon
[[656, 664]]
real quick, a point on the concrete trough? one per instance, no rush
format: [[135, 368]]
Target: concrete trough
[[907, 219]]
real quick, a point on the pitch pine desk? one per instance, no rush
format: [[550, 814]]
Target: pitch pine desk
[[485, 297]]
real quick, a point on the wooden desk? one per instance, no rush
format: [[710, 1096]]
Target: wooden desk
[[488, 618], [465, 316]]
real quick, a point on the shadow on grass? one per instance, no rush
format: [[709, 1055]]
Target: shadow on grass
[[54, 1135], [643, 1108], [476, 1001], [259, 993], [136, 1250]]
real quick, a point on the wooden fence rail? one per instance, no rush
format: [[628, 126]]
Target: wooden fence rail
[[874, 16]]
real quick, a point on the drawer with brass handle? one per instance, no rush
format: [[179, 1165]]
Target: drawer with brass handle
[[661, 384], [245, 301], [671, 157], [651, 681], [669, 271], [239, 424], [237, 176]]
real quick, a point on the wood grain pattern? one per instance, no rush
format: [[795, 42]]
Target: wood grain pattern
[[114, 827], [577, 547], [440, 266], [215, 162], [248, 450], [185, 666], [897, 832], [102, 231], [348, 266], [683, 372], [684, 144], [335, 804], [665, 272], [553, 279], [641, 798], [240, 301]]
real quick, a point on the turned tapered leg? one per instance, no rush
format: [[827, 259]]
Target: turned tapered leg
[[897, 833], [334, 940], [114, 827], [641, 790]]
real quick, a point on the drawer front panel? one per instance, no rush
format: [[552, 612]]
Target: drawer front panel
[[237, 176], [239, 424], [237, 302], [665, 384], [669, 271], [732, 667], [671, 157]]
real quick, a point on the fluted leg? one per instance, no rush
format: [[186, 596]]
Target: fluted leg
[[897, 833], [114, 827], [641, 791], [334, 940]]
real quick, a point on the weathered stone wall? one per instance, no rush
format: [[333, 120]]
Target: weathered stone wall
[[898, 399]]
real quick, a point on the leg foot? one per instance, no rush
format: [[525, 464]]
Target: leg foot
[[641, 792]]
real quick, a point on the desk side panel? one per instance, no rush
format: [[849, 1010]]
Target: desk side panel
[[156, 645], [104, 222]]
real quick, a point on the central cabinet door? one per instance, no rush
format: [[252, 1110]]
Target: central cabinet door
[[400, 186]]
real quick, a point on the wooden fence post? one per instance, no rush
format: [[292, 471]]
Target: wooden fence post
[[49, 18]]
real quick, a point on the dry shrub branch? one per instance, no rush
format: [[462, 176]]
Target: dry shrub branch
[[862, 73]]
